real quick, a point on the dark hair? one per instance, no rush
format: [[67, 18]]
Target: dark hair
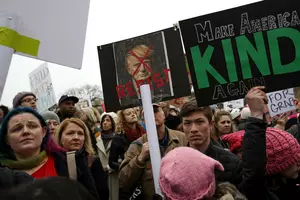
[[5, 110], [113, 124], [47, 144], [190, 107]]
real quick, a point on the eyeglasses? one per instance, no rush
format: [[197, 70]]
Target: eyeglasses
[[28, 100]]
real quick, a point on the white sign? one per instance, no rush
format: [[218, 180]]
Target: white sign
[[281, 101], [84, 102], [60, 26], [41, 86], [229, 105]]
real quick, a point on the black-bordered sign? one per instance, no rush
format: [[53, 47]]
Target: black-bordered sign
[[231, 51], [156, 58]]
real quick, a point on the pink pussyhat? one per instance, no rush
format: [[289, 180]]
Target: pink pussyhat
[[188, 174]]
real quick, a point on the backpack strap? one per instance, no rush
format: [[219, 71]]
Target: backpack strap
[[71, 162]]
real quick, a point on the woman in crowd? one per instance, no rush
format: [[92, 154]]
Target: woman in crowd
[[92, 118], [52, 121], [223, 125], [195, 180], [131, 130], [26, 145], [271, 156], [104, 141], [73, 135]]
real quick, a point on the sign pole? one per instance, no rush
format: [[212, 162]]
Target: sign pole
[[6, 53], [151, 134]]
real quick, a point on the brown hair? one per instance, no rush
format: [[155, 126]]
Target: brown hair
[[87, 141], [190, 107], [297, 93], [217, 118]]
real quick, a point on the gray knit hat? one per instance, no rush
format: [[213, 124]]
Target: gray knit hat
[[18, 98], [49, 115]]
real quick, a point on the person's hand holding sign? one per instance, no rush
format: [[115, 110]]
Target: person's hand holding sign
[[145, 153], [257, 99]]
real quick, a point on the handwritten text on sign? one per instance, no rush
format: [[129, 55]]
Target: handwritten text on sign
[[41, 86], [281, 102]]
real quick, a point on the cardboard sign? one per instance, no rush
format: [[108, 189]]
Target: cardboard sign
[[41, 86], [281, 101], [231, 51], [156, 59]]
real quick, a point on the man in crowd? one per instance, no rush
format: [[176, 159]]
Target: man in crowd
[[67, 107], [136, 167], [197, 125], [27, 99]]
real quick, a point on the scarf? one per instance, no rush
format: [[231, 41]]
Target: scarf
[[133, 135], [107, 137], [24, 164]]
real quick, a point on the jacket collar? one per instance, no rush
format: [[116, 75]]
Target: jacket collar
[[172, 137]]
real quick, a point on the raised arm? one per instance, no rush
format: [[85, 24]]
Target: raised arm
[[254, 147]]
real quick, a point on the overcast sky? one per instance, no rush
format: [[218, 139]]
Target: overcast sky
[[110, 21]]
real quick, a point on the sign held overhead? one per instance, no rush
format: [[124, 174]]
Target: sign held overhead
[[231, 51], [156, 59]]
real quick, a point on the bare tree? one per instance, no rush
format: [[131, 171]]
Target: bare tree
[[92, 91]]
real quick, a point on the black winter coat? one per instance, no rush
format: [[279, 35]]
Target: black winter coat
[[11, 178], [256, 185], [84, 176], [231, 163], [100, 179], [119, 146]]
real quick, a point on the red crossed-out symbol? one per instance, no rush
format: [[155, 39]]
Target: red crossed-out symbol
[[142, 61]]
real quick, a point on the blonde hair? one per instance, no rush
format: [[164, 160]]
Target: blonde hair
[[87, 140], [92, 115]]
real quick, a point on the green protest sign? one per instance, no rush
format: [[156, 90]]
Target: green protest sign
[[231, 51]]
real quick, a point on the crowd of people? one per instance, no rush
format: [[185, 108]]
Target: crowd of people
[[207, 153]]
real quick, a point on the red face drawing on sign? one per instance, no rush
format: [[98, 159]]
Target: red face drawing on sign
[[138, 62]]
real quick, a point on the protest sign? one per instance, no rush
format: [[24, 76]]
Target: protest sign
[[156, 59], [229, 105], [84, 102], [281, 101], [231, 51], [41, 86]]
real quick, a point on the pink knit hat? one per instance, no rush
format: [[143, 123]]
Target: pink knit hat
[[188, 174], [283, 150]]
